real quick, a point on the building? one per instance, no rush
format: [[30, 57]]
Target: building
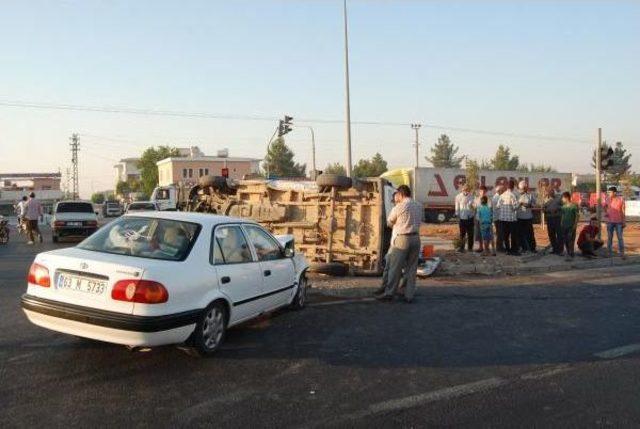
[[194, 164], [16, 185], [127, 169]]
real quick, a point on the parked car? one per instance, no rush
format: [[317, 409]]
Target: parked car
[[165, 278], [142, 206], [112, 209], [73, 219]]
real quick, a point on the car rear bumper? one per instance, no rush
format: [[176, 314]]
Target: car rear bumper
[[74, 231], [119, 328]]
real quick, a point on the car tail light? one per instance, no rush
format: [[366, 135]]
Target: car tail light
[[39, 275], [59, 223], [91, 223], [143, 291]]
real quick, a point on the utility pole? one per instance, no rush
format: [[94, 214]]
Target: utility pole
[[416, 127], [347, 99], [66, 184], [75, 147], [598, 185]]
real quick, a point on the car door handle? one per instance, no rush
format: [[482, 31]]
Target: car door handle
[[267, 273], [225, 279]]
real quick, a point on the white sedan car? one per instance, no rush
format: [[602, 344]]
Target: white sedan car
[[165, 278]]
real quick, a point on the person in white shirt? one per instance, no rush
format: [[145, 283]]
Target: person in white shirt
[[499, 189], [21, 209], [465, 213], [32, 215]]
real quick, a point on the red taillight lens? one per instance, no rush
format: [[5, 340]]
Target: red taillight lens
[[59, 223], [39, 275], [142, 291], [91, 223]]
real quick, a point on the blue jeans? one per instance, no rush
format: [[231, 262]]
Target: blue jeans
[[617, 227]]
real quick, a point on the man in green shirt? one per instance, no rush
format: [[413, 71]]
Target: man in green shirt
[[568, 224]]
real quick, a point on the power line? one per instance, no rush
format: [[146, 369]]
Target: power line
[[205, 115]]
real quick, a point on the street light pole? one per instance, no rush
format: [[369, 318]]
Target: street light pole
[[313, 144], [347, 100], [416, 127]]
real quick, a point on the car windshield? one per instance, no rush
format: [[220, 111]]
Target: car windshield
[[145, 238], [141, 206], [74, 208]]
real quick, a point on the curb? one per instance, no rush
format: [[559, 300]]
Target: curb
[[516, 270], [472, 269]]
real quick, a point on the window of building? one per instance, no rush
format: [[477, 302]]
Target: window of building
[[184, 173], [206, 171], [190, 173]]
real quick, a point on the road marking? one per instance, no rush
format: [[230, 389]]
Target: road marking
[[538, 375], [340, 302], [420, 399], [614, 280], [618, 351]]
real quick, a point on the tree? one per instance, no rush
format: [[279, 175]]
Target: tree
[[503, 160], [443, 154], [335, 168], [131, 185], [149, 169], [472, 173], [536, 168], [370, 167], [97, 198], [279, 161], [621, 166]]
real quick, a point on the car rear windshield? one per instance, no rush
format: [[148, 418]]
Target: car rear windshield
[[74, 208], [145, 238], [141, 206]]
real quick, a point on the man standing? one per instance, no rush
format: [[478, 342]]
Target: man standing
[[405, 219], [616, 220], [496, 211], [526, 201], [32, 214], [568, 225], [551, 207], [465, 213], [507, 207], [588, 241]]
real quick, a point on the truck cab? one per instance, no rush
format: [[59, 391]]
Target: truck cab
[[165, 197]]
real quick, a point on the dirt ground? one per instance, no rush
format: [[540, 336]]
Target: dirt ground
[[450, 231]]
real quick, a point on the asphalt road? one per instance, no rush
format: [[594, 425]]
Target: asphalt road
[[555, 350]]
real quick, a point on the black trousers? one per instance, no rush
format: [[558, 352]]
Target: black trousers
[[510, 230], [553, 231], [569, 240], [526, 237], [499, 236], [466, 233]]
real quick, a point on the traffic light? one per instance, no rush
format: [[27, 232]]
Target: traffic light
[[284, 126], [606, 157]]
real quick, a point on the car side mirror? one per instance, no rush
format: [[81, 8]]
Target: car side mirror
[[289, 252]]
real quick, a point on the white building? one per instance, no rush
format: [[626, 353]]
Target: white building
[[127, 169]]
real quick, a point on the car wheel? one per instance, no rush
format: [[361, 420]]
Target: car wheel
[[210, 329], [300, 300], [442, 217], [334, 180], [329, 268]]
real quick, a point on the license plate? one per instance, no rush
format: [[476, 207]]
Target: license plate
[[81, 284], [74, 223]]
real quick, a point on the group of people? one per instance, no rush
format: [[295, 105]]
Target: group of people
[[29, 210], [509, 212]]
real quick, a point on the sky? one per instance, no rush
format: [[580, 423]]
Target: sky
[[557, 69]]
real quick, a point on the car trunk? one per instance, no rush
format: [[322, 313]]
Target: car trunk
[[86, 278]]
